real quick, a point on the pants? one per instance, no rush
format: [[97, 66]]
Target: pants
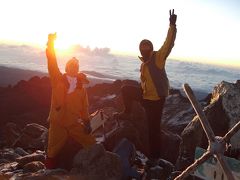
[[153, 111], [58, 135]]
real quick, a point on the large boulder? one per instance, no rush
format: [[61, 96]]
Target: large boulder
[[30, 158], [223, 113], [177, 112], [169, 145], [9, 134], [97, 163], [33, 137]]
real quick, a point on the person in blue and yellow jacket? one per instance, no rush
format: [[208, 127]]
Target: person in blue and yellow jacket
[[68, 117], [154, 86]]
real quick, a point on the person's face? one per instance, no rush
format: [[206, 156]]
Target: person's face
[[145, 51], [72, 69]]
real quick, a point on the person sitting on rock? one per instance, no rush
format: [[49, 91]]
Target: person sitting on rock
[[69, 116]]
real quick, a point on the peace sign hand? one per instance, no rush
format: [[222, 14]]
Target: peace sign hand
[[172, 18]]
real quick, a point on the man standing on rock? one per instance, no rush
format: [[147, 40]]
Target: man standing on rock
[[154, 86], [68, 117]]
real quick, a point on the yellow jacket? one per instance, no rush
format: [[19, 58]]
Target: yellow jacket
[[148, 86], [65, 109]]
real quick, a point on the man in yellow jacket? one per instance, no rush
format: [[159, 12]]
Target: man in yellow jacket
[[68, 117], [154, 86]]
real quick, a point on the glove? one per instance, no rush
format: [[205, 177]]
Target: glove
[[51, 39], [87, 127], [172, 18]]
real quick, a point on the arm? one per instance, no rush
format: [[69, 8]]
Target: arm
[[53, 69], [166, 48]]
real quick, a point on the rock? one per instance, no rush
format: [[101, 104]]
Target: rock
[[9, 155], [29, 158], [34, 130], [223, 113], [9, 134], [33, 137], [134, 129], [4, 161], [167, 166], [8, 167], [229, 93], [177, 113], [169, 145], [97, 163], [88, 156], [155, 172], [21, 151], [33, 166], [127, 130]]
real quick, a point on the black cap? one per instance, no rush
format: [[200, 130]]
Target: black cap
[[146, 42]]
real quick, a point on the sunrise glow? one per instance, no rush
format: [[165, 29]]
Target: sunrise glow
[[207, 31]]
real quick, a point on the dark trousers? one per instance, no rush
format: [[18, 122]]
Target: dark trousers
[[153, 111]]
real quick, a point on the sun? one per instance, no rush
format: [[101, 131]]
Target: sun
[[63, 45]]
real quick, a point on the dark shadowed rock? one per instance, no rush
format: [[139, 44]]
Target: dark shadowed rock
[[33, 137], [10, 133], [177, 112], [95, 161], [21, 151], [169, 146], [8, 154], [33, 166], [167, 166], [88, 156], [30, 158], [155, 172]]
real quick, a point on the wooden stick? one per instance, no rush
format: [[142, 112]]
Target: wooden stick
[[194, 166], [198, 109]]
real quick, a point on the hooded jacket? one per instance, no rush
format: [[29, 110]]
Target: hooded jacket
[[154, 79], [66, 108]]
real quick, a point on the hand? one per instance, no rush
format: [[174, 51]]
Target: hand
[[87, 127], [51, 38], [172, 18]]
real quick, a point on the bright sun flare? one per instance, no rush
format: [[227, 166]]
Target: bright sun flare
[[63, 45]]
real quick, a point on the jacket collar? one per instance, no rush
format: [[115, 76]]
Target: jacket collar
[[141, 58]]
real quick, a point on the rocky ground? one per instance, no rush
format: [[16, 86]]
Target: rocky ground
[[122, 143]]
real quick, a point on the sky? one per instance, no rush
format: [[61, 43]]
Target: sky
[[208, 31]]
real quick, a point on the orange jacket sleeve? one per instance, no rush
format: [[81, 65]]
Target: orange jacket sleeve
[[53, 70]]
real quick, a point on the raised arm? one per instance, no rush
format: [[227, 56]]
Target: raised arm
[[166, 48], [53, 69]]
